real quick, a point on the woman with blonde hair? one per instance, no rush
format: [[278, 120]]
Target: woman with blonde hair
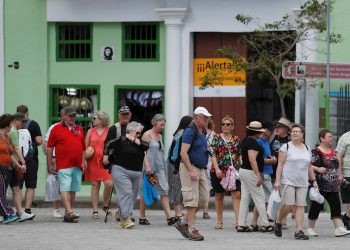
[[226, 148], [95, 172]]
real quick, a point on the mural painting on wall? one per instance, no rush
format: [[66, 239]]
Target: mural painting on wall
[[144, 104], [107, 53]]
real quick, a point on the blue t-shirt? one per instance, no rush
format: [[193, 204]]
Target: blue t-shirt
[[198, 152], [267, 154]]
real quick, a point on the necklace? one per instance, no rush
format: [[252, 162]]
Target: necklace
[[225, 137]]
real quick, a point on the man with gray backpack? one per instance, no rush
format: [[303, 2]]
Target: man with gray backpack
[[30, 153]]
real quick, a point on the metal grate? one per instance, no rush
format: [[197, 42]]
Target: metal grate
[[141, 41], [74, 41], [85, 100], [339, 114]]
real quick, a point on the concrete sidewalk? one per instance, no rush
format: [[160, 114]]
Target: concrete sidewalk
[[46, 232]]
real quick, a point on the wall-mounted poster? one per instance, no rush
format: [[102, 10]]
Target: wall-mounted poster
[[107, 53]]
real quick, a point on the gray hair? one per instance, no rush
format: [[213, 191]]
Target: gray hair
[[133, 126], [157, 118], [103, 117]]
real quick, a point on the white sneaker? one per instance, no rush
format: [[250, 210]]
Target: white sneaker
[[341, 231], [57, 213], [311, 232], [25, 216]]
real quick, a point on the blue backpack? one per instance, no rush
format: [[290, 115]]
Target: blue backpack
[[175, 149]]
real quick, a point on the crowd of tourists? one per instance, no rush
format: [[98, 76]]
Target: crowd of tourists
[[199, 163]]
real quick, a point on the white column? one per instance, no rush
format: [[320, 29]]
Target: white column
[[2, 56], [173, 18], [307, 53]]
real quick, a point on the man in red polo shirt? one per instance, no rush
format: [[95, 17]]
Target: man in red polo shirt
[[69, 142]]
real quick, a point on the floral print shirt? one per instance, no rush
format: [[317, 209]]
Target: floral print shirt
[[327, 182], [222, 151]]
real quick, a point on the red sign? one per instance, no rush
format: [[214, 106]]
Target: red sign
[[309, 70]]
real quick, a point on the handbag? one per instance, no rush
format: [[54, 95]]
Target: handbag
[[89, 152], [228, 182], [18, 174]]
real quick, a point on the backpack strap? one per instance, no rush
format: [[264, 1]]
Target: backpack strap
[[26, 126]]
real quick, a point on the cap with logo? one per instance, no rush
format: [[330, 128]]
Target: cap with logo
[[125, 110]]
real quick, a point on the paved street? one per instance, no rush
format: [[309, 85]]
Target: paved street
[[46, 232]]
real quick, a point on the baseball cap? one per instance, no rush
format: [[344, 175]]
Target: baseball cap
[[124, 110], [70, 110], [201, 110], [19, 116]]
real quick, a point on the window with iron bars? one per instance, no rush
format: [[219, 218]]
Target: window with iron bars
[[140, 42], [85, 99], [74, 41]]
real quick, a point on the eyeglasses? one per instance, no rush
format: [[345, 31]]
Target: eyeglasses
[[226, 124]]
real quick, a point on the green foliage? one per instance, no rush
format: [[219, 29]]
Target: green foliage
[[273, 43]]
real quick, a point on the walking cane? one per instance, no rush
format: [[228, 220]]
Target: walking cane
[[109, 203]]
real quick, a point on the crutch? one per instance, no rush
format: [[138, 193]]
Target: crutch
[[109, 204]]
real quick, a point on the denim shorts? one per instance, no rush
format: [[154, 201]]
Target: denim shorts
[[69, 179]]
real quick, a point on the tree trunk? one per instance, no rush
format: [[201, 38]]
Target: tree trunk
[[283, 108]]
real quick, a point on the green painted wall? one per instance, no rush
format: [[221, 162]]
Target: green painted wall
[[340, 53], [31, 40], [106, 74], [25, 41]]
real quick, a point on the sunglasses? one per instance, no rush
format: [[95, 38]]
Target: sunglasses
[[138, 134], [226, 124]]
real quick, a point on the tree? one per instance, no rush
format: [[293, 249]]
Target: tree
[[272, 43]]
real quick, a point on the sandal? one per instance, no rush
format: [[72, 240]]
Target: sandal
[[144, 221], [171, 221], [71, 218], [95, 215], [219, 226], [243, 229], [254, 228], [266, 229], [107, 208]]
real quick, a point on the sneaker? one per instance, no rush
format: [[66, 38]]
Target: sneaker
[[300, 236], [126, 224], [57, 213], [346, 221], [311, 232], [278, 229], [1, 219], [206, 216], [183, 229], [10, 218], [195, 236], [25, 216], [341, 231]]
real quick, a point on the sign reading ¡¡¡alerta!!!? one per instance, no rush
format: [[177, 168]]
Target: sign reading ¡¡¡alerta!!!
[[233, 82]]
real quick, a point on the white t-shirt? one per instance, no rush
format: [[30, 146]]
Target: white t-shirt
[[47, 136], [295, 171]]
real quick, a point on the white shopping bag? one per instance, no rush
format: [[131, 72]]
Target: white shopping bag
[[52, 188], [274, 204]]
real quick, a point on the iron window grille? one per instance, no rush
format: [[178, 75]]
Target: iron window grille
[[140, 42], [74, 41]]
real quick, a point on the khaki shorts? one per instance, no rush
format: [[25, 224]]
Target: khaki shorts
[[293, 195], [194, 193]]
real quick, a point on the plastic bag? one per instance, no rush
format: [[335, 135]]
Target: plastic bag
[[149, 192], [274, 204], [52, 188], [316, 196]]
